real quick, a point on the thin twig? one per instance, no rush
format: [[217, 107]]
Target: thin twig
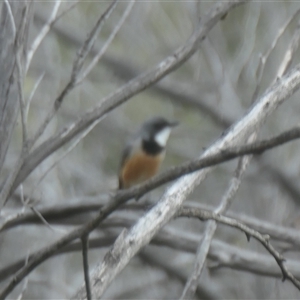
[[34, 210], [264, 57], [28, 103], [18, 48], [65, 11], [6, 191], [263, 239], [20, 80], [122, 196], [211, 160], [225, 254], [84, 210], [289, 54], [12, 19], [177, 93], [203, 248], [203, 290], [77, 67], [40, 216], [37, 41], [85, 249], [89, 42], [56, 162], [130, 89], [107, 43], [25, 283]]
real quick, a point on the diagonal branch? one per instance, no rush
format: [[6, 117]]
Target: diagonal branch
[[127, 91], [263, 239], [58, 214], [77, 67], [224, 254], [174, 173], [107, 43], [85, 252], [288, 57], [203, 248], [147, 226], [37, 41], [279, 92]]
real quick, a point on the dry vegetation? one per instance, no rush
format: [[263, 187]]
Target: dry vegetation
[[77, 77]]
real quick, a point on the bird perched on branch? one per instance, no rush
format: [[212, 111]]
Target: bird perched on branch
[[144, 152]]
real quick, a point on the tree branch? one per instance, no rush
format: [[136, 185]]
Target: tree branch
[[85, 249], [203, 248], [223, 254], [124, 195], [130, 89], [263, 239], [147, 226]]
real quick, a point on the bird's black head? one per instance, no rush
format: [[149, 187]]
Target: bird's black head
[[155, 133]]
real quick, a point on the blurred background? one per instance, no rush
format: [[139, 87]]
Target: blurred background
[[213, 89]]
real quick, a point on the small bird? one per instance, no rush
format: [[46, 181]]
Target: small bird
[[144, 152]]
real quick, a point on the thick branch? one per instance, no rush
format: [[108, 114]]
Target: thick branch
[[226, 255], [75, 214], [263, 239], [204, 245], [127, 91], [157, 217], [276, 95]]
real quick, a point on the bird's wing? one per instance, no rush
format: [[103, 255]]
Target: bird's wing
[[125, 155]]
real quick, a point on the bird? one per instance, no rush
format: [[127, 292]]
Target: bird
[[144, 152]]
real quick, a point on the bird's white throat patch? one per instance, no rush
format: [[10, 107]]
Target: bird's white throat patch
[[162, 136]]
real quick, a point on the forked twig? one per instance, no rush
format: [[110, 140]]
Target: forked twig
[[56, 162], [203, 248], [107, 43], [77, 67], [264, 239], [39, 38], [289, 54], [264, 57]]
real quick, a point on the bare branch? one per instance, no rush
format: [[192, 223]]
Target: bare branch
[[77, 67], [203, 248], [21, 97], [17, 50], [178, 93], [256, 112], [123, 196], [89, 43], [25, 283], [85, 249], [107, 43], [263, 239], [263, 58], [285, 234], [287, 60], [12, 19], [65, 11], [204, 291], [225, 255], [42, 34], [58, 213], [40, 216], [36, 85], [127, 91], [56, 162], [147, 226]]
